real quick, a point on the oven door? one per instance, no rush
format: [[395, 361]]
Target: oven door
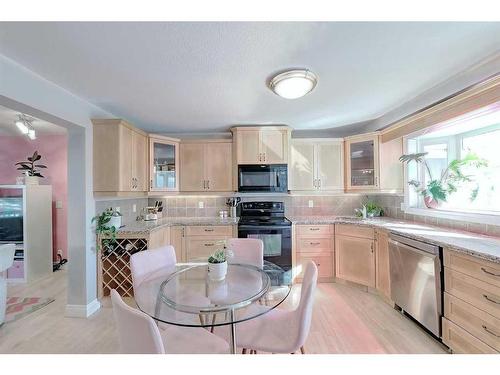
[[262, 178], [277, 242]]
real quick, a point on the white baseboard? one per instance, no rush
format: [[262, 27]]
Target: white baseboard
[[82, 311]]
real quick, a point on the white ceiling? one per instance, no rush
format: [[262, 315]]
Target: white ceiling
[[8, 128], [199, 77]]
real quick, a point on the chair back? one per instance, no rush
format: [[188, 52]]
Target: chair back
[[137, 332], [7, 256], [247, 251], [146, 262], [305, 309]]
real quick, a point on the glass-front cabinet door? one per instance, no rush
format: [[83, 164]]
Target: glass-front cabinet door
[[362, 163], [164, 160]]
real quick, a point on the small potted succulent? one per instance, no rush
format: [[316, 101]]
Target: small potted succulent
[[217, 263], [31, 170]]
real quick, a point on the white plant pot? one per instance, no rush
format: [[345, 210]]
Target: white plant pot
[[217, 271], [115, 221], [31, 180]]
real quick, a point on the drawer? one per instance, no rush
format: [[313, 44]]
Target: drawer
[[16, 271], [482, 295], [462, 342], [354, 231], [472, 266], [314, 230], [209, 230], [324, 263], [315, 244], [477, 322], [201, 248]]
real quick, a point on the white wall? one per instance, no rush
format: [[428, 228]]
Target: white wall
[[25, 91]]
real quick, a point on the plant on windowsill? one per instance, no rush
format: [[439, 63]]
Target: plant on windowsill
[[437, 190], [107, 224], [217, 262], [31, 170]]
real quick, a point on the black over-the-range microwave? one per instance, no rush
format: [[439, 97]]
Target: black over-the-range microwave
[[270, 178]]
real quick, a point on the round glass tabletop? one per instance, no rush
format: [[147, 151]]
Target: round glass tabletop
[[184, 295]]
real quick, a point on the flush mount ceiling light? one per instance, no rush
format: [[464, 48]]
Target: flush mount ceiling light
[[293, 84], [24, 125]]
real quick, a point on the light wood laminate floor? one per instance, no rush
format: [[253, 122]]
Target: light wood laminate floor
[[345, 320]]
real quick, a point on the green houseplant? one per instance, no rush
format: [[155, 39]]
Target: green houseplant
[[105, 229], [217, 262], [31, 170], [372, 210], [437, 190]]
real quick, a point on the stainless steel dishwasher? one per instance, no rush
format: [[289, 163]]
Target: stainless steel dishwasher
[[415, 270]]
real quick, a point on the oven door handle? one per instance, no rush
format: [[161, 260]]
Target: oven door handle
[[258, 227]]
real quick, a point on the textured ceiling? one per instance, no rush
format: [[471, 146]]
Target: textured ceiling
[[204, 77]]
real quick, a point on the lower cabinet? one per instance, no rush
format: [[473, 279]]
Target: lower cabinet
[[382, 272], [159, 237], [355, 254], [202, 241], [315, 242], [177, 241]]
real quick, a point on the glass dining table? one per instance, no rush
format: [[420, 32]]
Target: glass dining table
[[184, 295]]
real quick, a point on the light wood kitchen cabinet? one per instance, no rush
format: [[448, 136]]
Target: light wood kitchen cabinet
[[120, 158], [316, 164], [177, 234], [202, 241], [261, 145], [206, 166], [373, 165], [163, 163], [362, 162], [314, 242], [471, 322], [382, 273], [159, 237], [355, 254]]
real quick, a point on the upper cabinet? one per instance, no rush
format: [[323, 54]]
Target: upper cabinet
[[362, 162], [120, 158], [316, 164], [163, 163], [261, 145], [206, 166], [373, 165]]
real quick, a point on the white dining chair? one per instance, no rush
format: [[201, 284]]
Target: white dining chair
[[246, 251], [279, 330], [6, 260], [144, 263], [139, 334]]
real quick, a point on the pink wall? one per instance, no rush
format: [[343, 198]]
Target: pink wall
[[53, 149]]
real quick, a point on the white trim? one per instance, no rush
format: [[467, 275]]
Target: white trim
[[82, 311]]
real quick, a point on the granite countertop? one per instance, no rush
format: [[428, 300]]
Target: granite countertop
[[137, 227], [477, 245]]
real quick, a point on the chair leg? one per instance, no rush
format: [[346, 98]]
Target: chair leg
[[302, 350], [213, 322]]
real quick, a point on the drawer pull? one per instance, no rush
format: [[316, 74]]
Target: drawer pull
[[313, 228], [489, 273], [490, 332], [209, 230], [314, 243], [209, 244], [491, 300]]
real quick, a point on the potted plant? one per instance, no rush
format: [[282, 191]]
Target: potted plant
[[31, 171], [370, 209], [437, 191], [107, 224], [217, 263]]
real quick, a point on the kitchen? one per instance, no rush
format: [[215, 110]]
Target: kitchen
[[375, 215]]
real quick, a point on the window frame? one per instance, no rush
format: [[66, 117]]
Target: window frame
[[454, 145]]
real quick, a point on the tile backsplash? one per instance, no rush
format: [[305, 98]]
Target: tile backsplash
[[392, 208], [126, 207]]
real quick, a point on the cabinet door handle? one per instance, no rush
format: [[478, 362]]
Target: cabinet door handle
[[489, 299], [489, 273], [319, 182], [204, 184], [150, 184], [376, 181], [371, 247], [314, 182], [490, 332], [314, 243], [208, 184], [264, 156]]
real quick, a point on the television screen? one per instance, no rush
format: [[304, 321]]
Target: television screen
[[11, 219]]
